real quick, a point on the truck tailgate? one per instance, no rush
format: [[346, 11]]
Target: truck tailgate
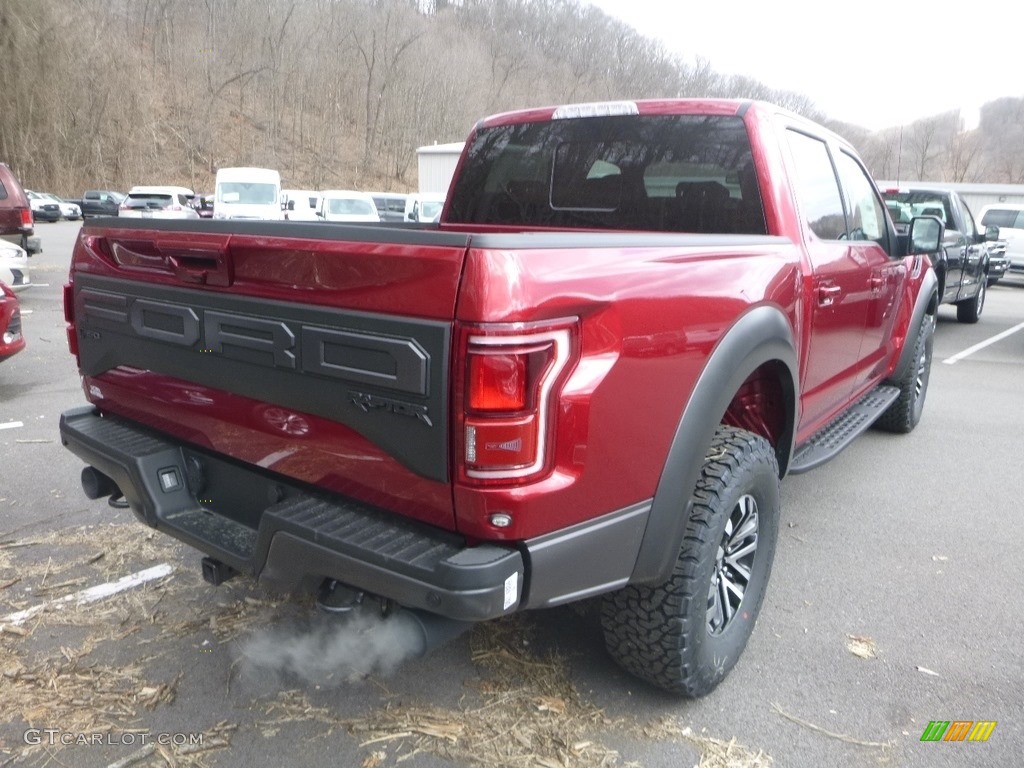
[[319, 352]]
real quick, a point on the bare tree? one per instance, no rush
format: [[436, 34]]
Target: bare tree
[[381, 46], [964, 157], [1002, 138], [339, 92], [882, 152], [925, 142]]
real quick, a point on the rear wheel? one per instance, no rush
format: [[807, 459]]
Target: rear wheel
[[904, 414], [685, 634], [969, 310]]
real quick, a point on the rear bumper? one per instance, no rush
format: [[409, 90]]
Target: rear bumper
[[290, 536], [30, 242]]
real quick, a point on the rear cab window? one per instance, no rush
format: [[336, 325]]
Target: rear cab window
[[919, 203], [662, 173], [149, 200]]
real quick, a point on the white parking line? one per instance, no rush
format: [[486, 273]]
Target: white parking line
[[92, 594], [981, 345], [11, 425]]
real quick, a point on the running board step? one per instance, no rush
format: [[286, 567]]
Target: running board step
[[827, 442]]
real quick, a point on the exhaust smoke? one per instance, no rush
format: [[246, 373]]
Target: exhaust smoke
[[334, 650]]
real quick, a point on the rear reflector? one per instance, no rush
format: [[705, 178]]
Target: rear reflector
[[502, 444]]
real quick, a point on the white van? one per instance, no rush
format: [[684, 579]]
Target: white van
[[300, 204], [1009, 217], [423, 207], [247, 193]]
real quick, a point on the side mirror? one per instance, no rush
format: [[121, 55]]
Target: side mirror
[[291, 205], [992, 232], [320, 214], [925, 234]]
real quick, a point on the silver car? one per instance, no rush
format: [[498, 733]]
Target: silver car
[[158, 203]]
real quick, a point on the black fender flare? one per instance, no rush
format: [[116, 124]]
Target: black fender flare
[[761, 335], [927, 296]]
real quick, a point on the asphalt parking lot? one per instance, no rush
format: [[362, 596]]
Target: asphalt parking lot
[[895, 600]]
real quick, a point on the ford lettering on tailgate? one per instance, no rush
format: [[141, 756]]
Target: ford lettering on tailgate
[[380, 375]]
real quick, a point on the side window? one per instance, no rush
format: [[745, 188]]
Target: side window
[[817, 187], [864, 211], [965, 213], [3, 191], [1019, 223], [1001, 217]]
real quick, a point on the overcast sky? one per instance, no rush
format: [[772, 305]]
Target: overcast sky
[[870, 63]]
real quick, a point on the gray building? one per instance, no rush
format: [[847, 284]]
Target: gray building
[[436, 165]]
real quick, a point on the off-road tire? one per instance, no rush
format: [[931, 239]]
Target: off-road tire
[[969, 310], [662, 633], [904, 414]]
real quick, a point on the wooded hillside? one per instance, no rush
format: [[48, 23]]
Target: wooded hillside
[[339, 93]]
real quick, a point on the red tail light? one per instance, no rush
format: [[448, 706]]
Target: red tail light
[[497, 382], [69, 317], [26, 218], [511, 378]]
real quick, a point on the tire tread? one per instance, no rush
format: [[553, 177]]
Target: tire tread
[[651, 631]]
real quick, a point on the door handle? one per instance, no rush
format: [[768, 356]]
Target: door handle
[[827, 295]]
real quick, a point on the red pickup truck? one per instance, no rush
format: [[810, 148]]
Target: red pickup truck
[[587, 379]]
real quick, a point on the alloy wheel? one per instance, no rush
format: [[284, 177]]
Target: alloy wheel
[[733, 565]]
